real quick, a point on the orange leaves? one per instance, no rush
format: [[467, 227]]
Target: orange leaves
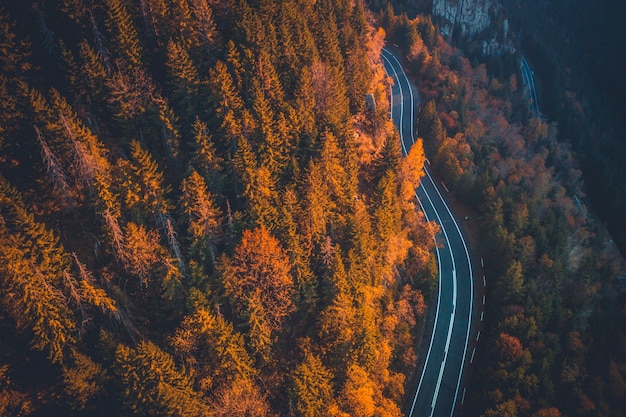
[[210, 347], [509, 347], [362, 396], [199, 207], [548, 412], [411, 170], [410, 306], [312, 387], [141, 251], [259, 282], [242, 398], [358, 393]]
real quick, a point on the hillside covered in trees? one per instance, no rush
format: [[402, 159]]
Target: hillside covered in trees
[[581, 58], [553, 341], [198, 214]]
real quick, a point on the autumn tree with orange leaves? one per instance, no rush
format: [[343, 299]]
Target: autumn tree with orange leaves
[[259, 283]]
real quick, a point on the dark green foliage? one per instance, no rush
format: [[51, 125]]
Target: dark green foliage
[[153, 386], [536, 354]]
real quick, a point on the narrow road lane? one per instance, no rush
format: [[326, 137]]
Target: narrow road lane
[[528, 78], [438, 392]]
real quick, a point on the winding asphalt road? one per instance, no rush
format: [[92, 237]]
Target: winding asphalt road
[[528, 78], [439, 391]]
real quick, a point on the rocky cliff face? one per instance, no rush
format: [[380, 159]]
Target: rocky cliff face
[[468, 16], [475, 17]]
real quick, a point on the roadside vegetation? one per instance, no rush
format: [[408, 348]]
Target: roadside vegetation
[[554, 339]]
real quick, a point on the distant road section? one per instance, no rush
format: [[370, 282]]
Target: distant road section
[[528, 78], [439, 391]]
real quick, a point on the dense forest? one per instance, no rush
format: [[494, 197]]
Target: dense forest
[[580, 56], [554, 337], [200, 216]]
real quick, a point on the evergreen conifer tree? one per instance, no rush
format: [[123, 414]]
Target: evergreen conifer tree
[[121, 27], [152, 385]]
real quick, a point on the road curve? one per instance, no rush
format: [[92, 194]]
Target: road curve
[[439, 391], [528, 79]]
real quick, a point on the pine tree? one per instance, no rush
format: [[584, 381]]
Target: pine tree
[[411, 171], [152, 385], [89, 154], [336, 328], [184, 80], [362, 253], [269, 79], [55, 170], [144, 257], [33, 265], [242, 398], [13, 402], [298, 252], [84, 381], [205, 159], [148, 175], [304, 107], [229, 103], [358, 70], [333, 168], [388, 158], [170, 134], [204, 25], [388, 213], [318, 203], [153, 13], [244, 163], [93, 75], [430, 125], [288, 66], [9, 113], [142, 251], [312, 387], [131, 93], [271, 151], [361, 396], [209, 346], [263, 198], [120, 25], [70, 68], [337, 110], [90, 293], [359, 19], [14, 53], [260, 286], [203, 216]]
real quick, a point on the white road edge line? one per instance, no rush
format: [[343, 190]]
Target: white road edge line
[[469, 261], [432, 337]]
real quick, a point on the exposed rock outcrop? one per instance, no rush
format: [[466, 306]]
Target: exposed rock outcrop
[[469, 17], [478, 20]]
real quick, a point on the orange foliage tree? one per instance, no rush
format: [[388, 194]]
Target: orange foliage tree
[[509, 347], [260, 285]]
